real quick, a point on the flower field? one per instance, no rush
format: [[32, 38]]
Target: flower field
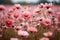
[[30, 22]]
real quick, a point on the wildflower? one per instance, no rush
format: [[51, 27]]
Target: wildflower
[[8, 22], [2, 8], [26, 15], [13, 38], [48, 33], [17, 6], [23, 33], [18, 28], [38, 10], [46, 22], [16, 15], [5, 27], [32, 29], [50, 11], [10, 10], [41, 5], [48, 5], [44, 38]]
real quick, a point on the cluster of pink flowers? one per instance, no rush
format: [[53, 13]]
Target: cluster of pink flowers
[[24, 21]]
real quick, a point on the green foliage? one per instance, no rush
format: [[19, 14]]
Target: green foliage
[[43, 1], [22, 3], [5, 2], [35, 36], [56, 35], [8, 33], [56, 3]]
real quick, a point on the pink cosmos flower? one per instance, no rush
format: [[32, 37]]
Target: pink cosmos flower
[[50, 11], [26, 14], [13, 38], [37, 10], [44, 38], [2, 8], [8, 22], [14, 8], [41, 5], [32, 29], [48, 34], [16, 15], [10, 10], [39, 19], [18, 27], [23, 33], [51, 5], [30, 21], [46, 22], [17, 6], [48, 5], [5, 27]]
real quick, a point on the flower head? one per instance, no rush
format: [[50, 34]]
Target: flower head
[[13, 38], [32, 29], [37, 10], [18, 28], [46, 22], [44, 38], [23, 33], [16, 15], [10, 10], [17, 6], [41, 5], [2, 8], [8, 22], [50, 11], [26, 14], [48, 5], [48, 33]]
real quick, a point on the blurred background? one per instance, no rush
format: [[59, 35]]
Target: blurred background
[[32, 3], [29, 1]]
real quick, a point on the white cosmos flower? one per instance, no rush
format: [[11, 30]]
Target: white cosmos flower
[[48, 33], [13, 38], [23, 33], [44, 38]]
